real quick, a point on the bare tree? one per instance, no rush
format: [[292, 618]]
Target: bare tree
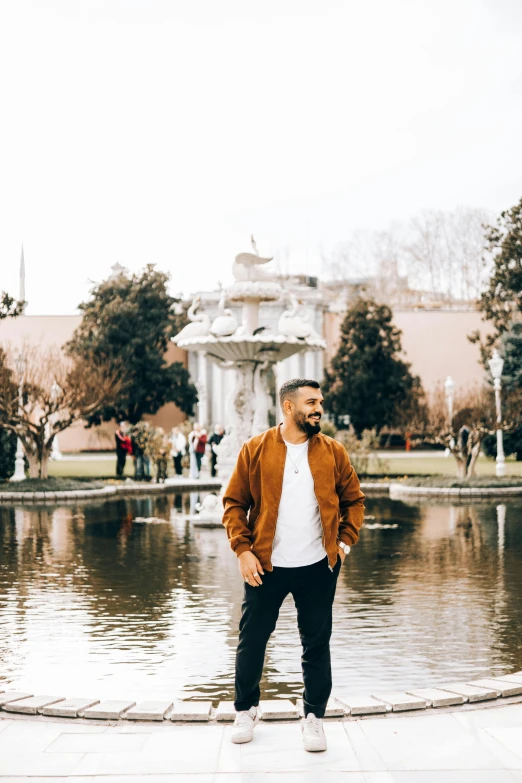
[[439, 252], [473, 419], [56, 391], [424, 250], [447, 252], [370, 262], [389, 262], [468, 243]]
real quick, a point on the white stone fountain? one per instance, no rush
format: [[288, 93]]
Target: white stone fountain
[[248, 349]]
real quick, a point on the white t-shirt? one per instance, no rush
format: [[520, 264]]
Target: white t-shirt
[[298, 539]]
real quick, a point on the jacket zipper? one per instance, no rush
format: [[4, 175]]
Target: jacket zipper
[[278, 504], [323, 541]]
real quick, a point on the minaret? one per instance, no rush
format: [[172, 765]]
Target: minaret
[[22, 280]]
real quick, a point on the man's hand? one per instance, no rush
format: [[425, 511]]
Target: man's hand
[[250, 568], [342, 553]]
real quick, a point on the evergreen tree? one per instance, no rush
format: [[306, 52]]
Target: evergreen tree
[[501, 304], [503, 296], [512, 351], [367, 379], [511, 348], [129, 320], [9, 307]]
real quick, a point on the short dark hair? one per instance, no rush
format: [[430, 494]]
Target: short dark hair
[[289, 388]]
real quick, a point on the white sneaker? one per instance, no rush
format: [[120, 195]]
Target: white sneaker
[[313, 733], [244, 724]]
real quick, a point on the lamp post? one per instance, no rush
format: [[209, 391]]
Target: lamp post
[[56, 390], [19, 474], [496, 365]]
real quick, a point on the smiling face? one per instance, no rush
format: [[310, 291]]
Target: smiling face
[[305, 407]]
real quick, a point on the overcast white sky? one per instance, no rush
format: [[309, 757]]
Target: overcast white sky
[[167, 131]]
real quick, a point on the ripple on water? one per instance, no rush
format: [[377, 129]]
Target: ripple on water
[[431, 593]]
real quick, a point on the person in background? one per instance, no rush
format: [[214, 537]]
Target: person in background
[[179, 443], [193, 441], [145, 435], [123, 447], [140, 434], [137, 454], [214, 440], [162, 453], [200, 447]]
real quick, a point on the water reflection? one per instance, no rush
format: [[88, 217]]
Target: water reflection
[[92, 601]]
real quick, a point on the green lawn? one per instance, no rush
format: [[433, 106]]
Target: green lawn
[[93, 468], [395, 465], [444, 466]]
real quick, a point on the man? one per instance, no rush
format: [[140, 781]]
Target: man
[[178, 445], [194, 439], [200, 446], [293, 509], [214, 440], [137, 453], [123, 447]]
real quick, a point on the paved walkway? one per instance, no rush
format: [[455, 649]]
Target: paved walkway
[[479, 746]]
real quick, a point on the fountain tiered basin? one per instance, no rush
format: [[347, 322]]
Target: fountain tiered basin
[[249, 349]]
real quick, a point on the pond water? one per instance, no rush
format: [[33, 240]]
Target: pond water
[[93, 603]]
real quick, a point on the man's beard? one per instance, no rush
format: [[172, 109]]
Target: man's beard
[[308, 426]]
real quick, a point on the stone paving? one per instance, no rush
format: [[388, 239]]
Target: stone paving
[[479, 746]]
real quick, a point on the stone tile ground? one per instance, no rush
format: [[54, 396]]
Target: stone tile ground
[[480, 746]]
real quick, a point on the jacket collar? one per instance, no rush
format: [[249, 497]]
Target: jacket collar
[[279, 437]]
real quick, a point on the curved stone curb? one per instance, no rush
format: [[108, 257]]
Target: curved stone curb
[[110, 491], [454, 695], [375, 486], [396, 490]]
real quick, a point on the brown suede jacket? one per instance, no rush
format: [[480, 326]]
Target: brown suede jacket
[[252, 497]]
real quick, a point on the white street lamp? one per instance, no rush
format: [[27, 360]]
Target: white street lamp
[[56, 390], [496, 365], [19, 474]]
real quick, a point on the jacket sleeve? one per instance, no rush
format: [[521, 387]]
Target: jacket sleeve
[[351, 502], [237, 502]]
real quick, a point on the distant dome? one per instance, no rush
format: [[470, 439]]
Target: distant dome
[[116, 270]]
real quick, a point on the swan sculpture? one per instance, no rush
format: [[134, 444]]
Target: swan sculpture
[[293, 325], [225, 323], [199, 325], [246, 265]]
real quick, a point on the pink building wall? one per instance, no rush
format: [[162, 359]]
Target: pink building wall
[[435, 343]]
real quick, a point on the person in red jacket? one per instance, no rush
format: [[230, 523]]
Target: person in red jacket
[[200, 446], [123, 447]]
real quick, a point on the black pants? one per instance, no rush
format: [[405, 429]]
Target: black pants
[[121, 458], [313, 590], [177, 464], [213, 462], [199, 457]]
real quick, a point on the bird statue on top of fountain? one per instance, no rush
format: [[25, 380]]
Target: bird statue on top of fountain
[[199, 325], [246, 266]]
